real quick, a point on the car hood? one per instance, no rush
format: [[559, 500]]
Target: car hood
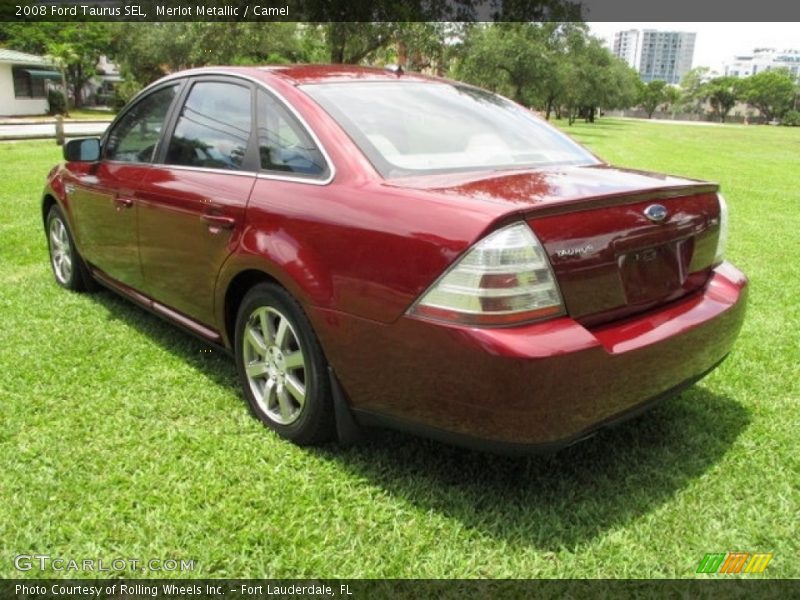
[[555, 188]]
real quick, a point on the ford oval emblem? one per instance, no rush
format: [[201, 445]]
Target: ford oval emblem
[[656, 213]]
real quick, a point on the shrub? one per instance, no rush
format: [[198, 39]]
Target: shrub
[[791, 119], [57, 103], [125, 91], [105, 99]]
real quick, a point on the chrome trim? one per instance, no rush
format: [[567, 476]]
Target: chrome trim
[[259, 174], [326, 181], [205, 169]]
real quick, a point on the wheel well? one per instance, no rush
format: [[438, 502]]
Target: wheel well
[[47, 204], [236, 292]]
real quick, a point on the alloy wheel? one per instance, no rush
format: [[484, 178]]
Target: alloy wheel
[[275, 365], [60, 251]]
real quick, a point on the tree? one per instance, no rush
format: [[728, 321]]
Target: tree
[[605, 81], [546, 65], [623, 85], [771, 92], [149, 50], [61, 55], [420, 46], [672, 98], [353, 42], [74, 47], [694, 91], [509, 58], [652, 94], [722, 93]]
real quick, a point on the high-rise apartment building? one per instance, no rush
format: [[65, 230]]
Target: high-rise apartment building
[[764, 59], [665, 55]]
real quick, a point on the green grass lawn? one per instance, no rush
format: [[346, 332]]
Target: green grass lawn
[[76, 114], [90, 114], [122, 437]]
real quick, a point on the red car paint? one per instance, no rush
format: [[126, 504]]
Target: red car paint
[[646, 310]]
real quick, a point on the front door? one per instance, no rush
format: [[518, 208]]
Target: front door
[[103, 196]]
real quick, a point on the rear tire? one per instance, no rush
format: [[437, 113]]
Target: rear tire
[[282, 368], [69, 270]]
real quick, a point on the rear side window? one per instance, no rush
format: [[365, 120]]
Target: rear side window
[[213, 128], [135, 136], [284, 145]]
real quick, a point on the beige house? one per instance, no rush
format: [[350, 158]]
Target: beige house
[[24, 82]]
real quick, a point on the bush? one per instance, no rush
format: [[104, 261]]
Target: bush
[[57, 103], [791, 119], [125, 91], [105, 99]]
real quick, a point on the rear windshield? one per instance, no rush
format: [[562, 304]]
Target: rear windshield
[[413, 128]]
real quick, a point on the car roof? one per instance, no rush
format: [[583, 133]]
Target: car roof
[[308, 74], [304, 74]]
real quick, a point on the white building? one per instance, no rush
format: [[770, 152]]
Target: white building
[[665, 55], [763, 59], [24, 83]]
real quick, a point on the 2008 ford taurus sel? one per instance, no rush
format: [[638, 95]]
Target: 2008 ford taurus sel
[[385, 249]]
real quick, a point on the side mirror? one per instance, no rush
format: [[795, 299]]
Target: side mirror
[[83, 150]]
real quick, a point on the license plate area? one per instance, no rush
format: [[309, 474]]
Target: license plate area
[[653, 273]]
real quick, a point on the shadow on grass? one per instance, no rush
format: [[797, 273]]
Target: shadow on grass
[[582, 133], [565, 498], [217, 365], [549, 502], [600, 123]]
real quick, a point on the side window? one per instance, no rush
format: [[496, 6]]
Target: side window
[[284, 146], [135, 137], [213, 129]]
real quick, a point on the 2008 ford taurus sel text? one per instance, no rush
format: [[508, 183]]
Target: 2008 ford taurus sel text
[[385, 249]]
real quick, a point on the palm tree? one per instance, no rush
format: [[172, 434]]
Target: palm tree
[[62, 55]]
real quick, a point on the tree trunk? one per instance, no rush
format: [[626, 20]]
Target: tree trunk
[[77, 87], [337, 39], [65, 90], [402, 54]]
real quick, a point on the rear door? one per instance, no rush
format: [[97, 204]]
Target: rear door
[[192, 203], [103, 197]]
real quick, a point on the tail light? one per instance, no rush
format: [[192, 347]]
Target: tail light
[[504, 279], [722, 239]]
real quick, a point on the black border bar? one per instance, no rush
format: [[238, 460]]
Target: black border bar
[[722, 586], [322, 11]]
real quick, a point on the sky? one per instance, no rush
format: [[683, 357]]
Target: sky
[[717, 43]]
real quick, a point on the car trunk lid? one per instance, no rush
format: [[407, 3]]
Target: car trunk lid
[[611, 260]]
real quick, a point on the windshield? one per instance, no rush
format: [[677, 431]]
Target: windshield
[[411, 128]]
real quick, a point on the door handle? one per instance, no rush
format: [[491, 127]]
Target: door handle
[[220, 221], [123, 202]]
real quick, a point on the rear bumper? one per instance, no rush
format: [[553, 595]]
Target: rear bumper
[[533, 387]]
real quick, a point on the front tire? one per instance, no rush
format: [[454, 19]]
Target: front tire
[[69, 270], [282, 368]]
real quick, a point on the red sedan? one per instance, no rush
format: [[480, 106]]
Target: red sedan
[[378, 248]]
